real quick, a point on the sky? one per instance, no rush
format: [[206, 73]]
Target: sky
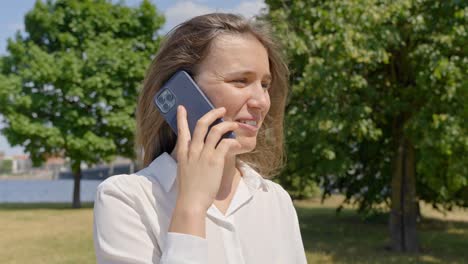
[[12, 19]]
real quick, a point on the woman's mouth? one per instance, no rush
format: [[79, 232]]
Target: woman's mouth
[[248, 125]]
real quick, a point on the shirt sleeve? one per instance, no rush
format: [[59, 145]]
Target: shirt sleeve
[[299, 252], [185, 249], [299, 246], [122, 235]]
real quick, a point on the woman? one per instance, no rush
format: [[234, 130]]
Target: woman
[[207, 203]]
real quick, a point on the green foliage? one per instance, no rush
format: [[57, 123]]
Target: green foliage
[[69, 86], [6, 166], [358, 69]]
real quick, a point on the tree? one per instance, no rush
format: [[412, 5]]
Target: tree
[[69, 86], [378, 105], [6, 166]]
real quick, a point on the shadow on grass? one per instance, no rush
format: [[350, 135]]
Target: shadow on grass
[[33, 206], [348, 238]]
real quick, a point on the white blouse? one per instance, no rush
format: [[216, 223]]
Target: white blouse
[[132, 214]]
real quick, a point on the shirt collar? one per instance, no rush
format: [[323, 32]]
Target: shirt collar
[[252, 178], [164, 169]]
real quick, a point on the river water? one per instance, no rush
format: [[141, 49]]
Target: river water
[[51, 191]]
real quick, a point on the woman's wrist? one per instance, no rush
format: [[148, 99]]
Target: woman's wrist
[[188, 220]]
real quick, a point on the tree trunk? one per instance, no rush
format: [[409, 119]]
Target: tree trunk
[[418, 212], [76, 170], [402, 224]]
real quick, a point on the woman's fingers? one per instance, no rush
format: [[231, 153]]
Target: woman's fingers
[[226, 145], [201, 169], [217, 131], [201, 128], [183, 133]]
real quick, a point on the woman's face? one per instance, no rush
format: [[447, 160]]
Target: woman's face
[[236, 75]]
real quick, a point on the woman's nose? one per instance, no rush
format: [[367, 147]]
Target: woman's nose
[[259, 97]]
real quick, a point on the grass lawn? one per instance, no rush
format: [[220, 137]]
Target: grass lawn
[[347, 238], [53, 233], [46, 233]]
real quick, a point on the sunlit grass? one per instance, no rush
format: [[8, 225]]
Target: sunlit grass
[[46, 233], [54, 233]]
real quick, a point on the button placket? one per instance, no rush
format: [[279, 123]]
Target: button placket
[[232, 247]]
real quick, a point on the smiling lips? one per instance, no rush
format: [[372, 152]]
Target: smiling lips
[[248, 125]]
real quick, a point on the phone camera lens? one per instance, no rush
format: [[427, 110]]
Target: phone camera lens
[[161, 99], [165, 107], [170, 97]]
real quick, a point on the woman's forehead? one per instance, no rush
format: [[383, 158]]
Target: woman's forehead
[[230, 52], [225, 42]]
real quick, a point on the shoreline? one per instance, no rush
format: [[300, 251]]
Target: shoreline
[[26, 177]]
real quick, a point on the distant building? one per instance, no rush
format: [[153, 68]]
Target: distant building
[[55, 165], [22, 165], [102, 171], [17, 164]]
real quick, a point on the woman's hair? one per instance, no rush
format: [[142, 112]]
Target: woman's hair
[[184, 48]]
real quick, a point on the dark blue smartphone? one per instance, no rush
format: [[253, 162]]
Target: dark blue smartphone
[[181, 89]]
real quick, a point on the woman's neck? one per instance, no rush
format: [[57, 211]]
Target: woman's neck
[[231, 177]]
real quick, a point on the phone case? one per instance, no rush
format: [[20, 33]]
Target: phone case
[[181, 89]]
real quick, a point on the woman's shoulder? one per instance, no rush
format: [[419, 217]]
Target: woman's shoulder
[[278, 190], [122, 179], [125, 184], [252, 176]]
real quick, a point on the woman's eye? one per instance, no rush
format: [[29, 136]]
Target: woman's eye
[[240, 81], [244, 81]]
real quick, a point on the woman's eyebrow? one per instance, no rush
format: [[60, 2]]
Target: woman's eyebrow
[[248, 72]]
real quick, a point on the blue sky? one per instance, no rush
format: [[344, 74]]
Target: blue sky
[[12, 19]]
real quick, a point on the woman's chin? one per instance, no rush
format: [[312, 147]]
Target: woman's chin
[[248, 144]]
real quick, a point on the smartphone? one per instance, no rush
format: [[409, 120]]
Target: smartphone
[[181, 89]]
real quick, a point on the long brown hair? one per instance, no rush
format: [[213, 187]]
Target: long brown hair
[[185, 47]]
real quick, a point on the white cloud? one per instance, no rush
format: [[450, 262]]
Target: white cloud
[[9, 150], [15, 26], [249, 8], [182, 11], [185, 10]]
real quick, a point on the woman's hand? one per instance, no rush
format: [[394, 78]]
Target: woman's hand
[[200, 167]]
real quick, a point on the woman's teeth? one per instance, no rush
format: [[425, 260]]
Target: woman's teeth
[[249, 122]]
